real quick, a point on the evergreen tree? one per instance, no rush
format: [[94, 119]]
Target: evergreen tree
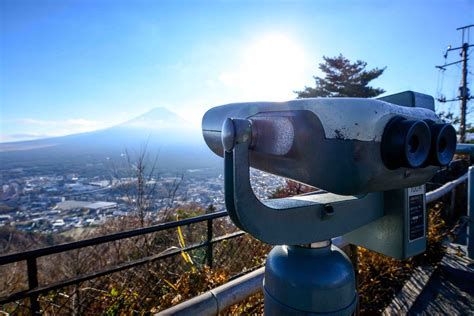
[[343, 79]]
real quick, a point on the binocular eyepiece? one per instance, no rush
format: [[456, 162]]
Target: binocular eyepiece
[[443, 144], [417, 143]]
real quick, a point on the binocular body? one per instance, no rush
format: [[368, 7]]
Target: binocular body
[[347, 146], [372, 157]]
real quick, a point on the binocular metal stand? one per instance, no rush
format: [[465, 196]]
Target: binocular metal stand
[[304, 273], [308, 278], [317, 279]]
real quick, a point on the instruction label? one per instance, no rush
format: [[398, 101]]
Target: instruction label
[[416, 212]]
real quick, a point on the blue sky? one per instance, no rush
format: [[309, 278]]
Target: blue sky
[[74, 66]]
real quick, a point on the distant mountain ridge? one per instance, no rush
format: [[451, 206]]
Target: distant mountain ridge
[[159, 117], [160, 129]]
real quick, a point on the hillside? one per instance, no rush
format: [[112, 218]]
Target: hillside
[[164, 133]]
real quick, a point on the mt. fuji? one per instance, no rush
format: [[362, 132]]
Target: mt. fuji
[[178, 144]]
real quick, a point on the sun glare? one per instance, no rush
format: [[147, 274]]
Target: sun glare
[[271, 68]]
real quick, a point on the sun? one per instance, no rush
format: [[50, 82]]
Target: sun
[[270, 69]]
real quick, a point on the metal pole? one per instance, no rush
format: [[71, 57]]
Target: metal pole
[[452, 204], [209, 244], [470, 213], [33, 283], [217, 300], [314, 279], [464, 94], [355, 263]]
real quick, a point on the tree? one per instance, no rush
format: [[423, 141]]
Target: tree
[[343, 79], [450, 118], [140, 186]]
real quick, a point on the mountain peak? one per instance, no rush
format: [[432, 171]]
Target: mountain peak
[[159, 110], [159, 117]]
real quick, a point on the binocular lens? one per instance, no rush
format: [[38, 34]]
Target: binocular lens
[[405, 143], [443, 144]]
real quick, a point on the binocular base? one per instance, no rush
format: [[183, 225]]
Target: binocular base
[[309, 281]]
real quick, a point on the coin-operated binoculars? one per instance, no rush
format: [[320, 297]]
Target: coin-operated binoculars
[[370, 156]]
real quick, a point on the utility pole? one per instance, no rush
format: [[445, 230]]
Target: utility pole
[[464, 94], [463, 89]]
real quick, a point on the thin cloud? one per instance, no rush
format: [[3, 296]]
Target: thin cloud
[[22, 136], [77, 122], [38, 129]]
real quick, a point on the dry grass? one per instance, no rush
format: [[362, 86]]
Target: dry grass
[[381, 277]]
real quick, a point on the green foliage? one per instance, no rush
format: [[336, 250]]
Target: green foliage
[[121, 303], [449, 117], [188, 213], [343, 79], [188, 285]]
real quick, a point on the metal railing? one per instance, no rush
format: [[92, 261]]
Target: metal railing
[[31, 256]]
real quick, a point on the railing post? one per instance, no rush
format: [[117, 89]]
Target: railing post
[[453, 204], [209, 244], [33, 283], [470, 212]]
